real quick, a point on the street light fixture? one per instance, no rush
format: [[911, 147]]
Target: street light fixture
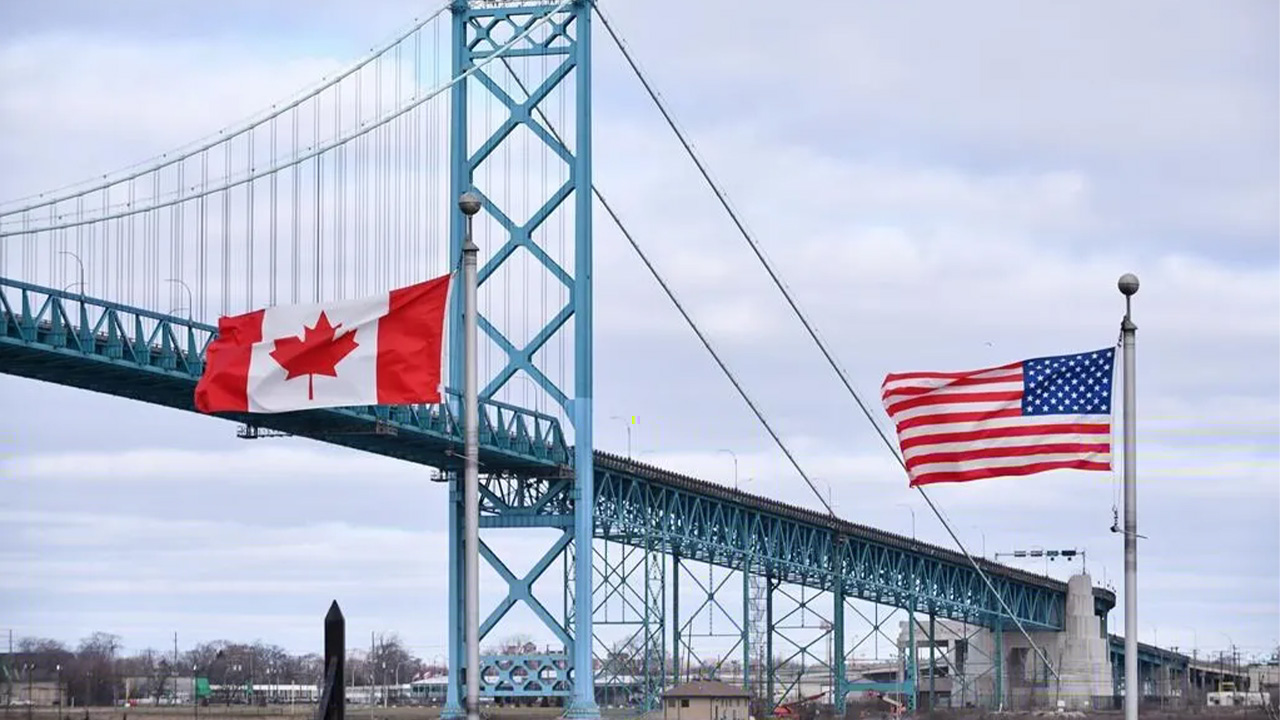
[[984, 539], [190, 298], [79, 262], [831, 503], [913, 518], [627, 425], [735, 465]]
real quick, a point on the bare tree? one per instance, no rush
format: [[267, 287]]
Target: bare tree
[[94, 670], [392, 661]]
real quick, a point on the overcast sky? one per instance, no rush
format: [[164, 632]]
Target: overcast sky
[[943, 187]]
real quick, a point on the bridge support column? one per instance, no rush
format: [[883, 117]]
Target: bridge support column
[[840, 675], [998, 669], [770, 698], [933, 664], [584, 696], [655, 583], [746, 620], [909, 676], [675, 618]]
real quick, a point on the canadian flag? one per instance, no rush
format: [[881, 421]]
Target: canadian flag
[[381, 350]]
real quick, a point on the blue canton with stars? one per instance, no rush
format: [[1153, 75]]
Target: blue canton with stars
[[1068, 384]]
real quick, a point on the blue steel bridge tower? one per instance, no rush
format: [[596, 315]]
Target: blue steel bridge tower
[[506, 106]]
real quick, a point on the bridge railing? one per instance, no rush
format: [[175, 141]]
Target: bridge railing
[[79, 324], [73, 325]]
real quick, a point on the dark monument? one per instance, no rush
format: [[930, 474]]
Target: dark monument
[[333, 701]]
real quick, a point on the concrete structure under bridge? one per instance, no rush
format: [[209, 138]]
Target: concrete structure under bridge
[[960, 665], [963, 665]]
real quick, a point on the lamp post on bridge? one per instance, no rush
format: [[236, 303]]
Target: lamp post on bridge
[[190, 297], [735, 465], [80, 263], [984, 539], [627, 425], [913, 518], [83, 288]]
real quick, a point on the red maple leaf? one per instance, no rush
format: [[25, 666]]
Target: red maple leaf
[[317, 353]]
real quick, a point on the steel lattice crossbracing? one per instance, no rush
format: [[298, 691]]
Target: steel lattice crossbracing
[[348, 190]]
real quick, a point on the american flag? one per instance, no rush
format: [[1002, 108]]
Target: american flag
[[1017, 419]]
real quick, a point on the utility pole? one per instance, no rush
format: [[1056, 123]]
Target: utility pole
[[1128, 286]]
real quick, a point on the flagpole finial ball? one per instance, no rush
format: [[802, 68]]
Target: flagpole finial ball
[[469, 204], [1128, 284]]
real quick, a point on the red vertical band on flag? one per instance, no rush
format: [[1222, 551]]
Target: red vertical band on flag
[[410, 338], [224, 386]]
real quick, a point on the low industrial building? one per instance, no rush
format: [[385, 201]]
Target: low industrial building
[[706, 700]]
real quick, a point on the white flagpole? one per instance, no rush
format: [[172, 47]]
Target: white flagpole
[[1128, 285], [470, 205]]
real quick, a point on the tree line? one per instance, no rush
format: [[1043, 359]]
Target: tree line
[[97, 671]]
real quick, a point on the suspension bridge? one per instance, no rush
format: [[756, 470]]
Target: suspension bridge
[[350, 188]]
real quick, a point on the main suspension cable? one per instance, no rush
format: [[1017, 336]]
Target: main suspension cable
[[680, 307], [786, 293]]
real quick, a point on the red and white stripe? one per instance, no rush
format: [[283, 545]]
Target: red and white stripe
[[962, 426]]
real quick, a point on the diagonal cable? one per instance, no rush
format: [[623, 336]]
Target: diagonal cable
[[813, 333]]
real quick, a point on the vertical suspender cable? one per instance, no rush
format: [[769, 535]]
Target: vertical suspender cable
[[202, 236], [379, 233], [272, 267], [398, 209], [176, 245], [338, 192], [226, 233], [357, 196], [316, 167], [153, 251], [295, 196], [248, 230]]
